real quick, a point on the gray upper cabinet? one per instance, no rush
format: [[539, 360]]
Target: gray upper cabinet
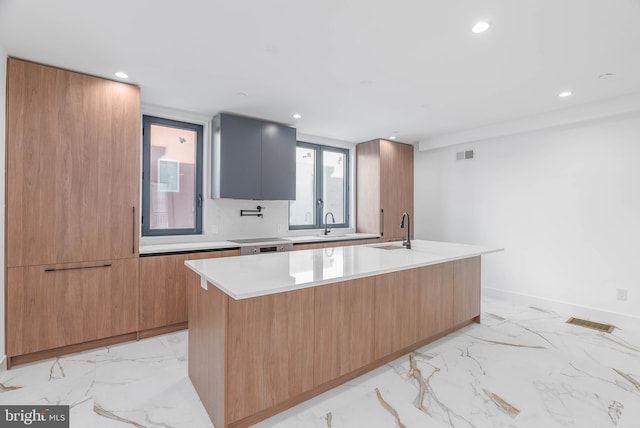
[[252, 159]]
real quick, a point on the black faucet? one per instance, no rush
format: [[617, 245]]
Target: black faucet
[[333, 219], [406, 242]]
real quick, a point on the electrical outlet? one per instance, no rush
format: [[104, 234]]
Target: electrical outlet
[[280, 227], [621, 294]]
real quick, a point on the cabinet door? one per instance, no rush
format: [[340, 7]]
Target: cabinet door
[[411, 306], [344, 330], [239, 159], [270, 351], [121, 187], [278, 162], [161, 298], [368, 215], [72, 166], [396, 187], [466, 290], [163, 294], [58, 305]]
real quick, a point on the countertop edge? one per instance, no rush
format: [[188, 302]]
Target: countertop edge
[[223, 245], [312, 284]]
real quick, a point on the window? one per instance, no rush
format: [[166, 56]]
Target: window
[[322, 177], [171, 177]]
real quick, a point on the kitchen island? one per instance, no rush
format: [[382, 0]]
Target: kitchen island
[[267, 332]]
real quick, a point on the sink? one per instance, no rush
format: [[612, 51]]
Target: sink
[[390, 247], [329, 236]]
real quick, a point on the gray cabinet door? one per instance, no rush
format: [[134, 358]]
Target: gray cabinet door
[[278, 162], [240, 157]]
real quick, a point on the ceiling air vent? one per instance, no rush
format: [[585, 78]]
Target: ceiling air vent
[[464, 155]]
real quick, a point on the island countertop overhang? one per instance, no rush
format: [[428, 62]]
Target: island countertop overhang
[[244, 277]]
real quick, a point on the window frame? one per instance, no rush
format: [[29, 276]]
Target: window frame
[[147, 121], [319, 150]]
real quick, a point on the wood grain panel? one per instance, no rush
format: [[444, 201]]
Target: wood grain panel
[[396, 186], [368, 187], [163, 293], [162, 302], [466, 289], [312, 246], [270, 351], [65, 307], [208, 346], [411, 305], [72, 166], [343, 328]]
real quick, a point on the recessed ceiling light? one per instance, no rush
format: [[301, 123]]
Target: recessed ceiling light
[[605, 76], [393, 137], [297, 116], [241, 94], [122, 75], [565, 94], [480, 27]]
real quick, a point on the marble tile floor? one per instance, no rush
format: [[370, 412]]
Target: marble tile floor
[[522, 367]]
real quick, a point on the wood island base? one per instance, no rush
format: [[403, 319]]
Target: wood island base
[[250, 359]]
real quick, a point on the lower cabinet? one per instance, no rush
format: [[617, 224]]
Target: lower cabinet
[[163, 295], [412, 305], [344, 328], [67, 304], [466, 290]]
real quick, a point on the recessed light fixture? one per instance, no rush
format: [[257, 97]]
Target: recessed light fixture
[[605, 76], [565, 94], [480, 27], [297, 116], [393, 137], [122, 75], [241, 94]]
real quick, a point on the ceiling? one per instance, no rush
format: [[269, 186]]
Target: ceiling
[[355, 70]]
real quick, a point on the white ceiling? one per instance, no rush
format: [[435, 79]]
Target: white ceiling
[[354, 69]]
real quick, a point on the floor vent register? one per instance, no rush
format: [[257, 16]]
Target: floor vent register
[[606, 328]]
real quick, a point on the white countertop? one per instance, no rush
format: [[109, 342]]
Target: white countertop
[[243, 277], [219, 245]]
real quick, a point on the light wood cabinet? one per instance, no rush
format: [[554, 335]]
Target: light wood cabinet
[[344, 335], [252, 358], [412, 305], [73, 179], [384, 187], [268, 328], [72, 166], [64, 304], [466, 290], [163, 294]]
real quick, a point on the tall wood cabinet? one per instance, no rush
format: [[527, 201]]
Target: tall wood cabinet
[[384, 182], [73, 171]]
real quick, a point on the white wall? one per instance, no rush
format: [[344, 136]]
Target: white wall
[[3, 96], [221, 217], [563, 202]]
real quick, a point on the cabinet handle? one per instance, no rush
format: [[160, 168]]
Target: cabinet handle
[[77, 268], [133, 230], [382, 222]]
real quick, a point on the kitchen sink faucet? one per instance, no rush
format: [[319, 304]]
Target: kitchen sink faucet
[[333, 219], [406, 242]]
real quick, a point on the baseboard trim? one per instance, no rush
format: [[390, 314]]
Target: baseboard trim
[[157, 331], [569, 309], [69, 349]]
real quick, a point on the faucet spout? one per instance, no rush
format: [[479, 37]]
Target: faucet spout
[[326, 226], [406, 242]]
